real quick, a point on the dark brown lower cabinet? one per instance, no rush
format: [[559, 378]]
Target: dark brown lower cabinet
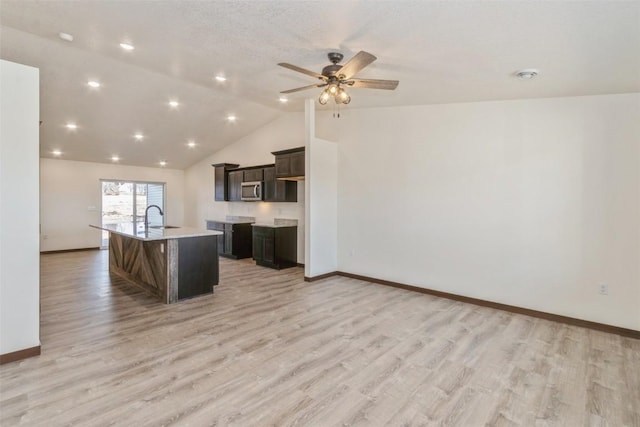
[[236, 243], [197, 275], [275, 247]]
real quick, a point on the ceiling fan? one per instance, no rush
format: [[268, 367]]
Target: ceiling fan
[[336, 77]]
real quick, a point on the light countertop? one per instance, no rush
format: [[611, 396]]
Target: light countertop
[[156, 233], [271, 225], [278, 223], [232, 221]]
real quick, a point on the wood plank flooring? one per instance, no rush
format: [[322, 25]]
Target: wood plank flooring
[[268, 349]]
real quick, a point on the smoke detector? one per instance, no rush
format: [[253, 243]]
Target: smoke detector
[[527, 74]]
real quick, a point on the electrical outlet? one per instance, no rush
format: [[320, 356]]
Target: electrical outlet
[[603, 289]]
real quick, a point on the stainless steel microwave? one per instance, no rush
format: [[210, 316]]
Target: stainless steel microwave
[[251, 191]]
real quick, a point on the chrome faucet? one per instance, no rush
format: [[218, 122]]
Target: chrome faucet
[[146, 215]]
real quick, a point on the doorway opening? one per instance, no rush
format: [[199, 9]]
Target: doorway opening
[[125, 202]]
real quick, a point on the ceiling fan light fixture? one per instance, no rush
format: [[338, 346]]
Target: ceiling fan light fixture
[[325, 96], [342, 96]]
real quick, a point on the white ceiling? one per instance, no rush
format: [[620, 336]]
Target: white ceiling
[[449, 51]]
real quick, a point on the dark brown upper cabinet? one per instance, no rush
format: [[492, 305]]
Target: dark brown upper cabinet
[[251, 175], [235, 185], [277, 190], [221, 180], [290, 163]]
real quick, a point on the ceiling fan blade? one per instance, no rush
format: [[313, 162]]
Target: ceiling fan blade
[[355, 64], [302, 70], [303, 88], [373, 83]]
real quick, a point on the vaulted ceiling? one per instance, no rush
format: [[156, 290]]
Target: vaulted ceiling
[[442, 52]]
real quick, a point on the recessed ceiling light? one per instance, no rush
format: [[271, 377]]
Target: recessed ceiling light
[[527, 74], [66, 37], [191, 144], [93, 83], [127, 46], [72, 126], [56, 153], [174, 104], [283, 99], [115, 158], [138, 136], [221, 78], [231, 118], [163, 163]]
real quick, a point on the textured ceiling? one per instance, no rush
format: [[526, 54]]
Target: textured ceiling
[[457, 51]]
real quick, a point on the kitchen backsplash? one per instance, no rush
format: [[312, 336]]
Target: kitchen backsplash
[[261, 211]]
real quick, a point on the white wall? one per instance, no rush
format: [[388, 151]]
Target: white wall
[[321, 208], [254, 149], [69, 189], [19, 258], [532, 203]]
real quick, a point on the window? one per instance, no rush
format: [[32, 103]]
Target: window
[[125, 202]]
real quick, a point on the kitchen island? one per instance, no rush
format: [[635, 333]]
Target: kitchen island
[[169, 263]]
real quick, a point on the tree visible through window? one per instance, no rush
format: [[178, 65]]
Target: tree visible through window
[[125, 202]]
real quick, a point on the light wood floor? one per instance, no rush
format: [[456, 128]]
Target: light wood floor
[[269, 349]]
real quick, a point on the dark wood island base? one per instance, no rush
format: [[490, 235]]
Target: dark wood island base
[[170, 265]]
